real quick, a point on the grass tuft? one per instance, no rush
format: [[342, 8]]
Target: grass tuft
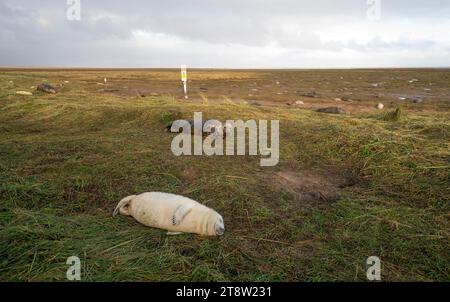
[[394, 116]]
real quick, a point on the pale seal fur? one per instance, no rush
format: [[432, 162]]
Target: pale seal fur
[[174, 213]]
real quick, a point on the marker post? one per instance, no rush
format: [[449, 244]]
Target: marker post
[[184, 79]]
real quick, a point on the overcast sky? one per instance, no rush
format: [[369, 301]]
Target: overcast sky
[[226, 33]]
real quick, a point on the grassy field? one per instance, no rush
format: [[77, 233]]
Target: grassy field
[[67, 159]]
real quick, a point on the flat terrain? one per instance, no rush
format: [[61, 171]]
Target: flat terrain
[[363, 183]]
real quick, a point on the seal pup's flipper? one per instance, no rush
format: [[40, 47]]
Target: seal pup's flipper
[[122, 205], [180, 213], [174, 233]]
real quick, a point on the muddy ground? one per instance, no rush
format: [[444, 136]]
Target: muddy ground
[[352, 90]]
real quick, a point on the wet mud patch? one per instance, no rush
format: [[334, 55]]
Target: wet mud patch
[[314, 186]]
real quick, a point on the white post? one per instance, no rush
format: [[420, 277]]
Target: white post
[[184, 79]]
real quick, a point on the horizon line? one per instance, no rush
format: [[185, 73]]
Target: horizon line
[[214, 68]]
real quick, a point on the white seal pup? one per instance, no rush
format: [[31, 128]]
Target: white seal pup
[[174, 213]]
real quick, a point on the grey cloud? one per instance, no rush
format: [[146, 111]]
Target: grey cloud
[[37, 32]]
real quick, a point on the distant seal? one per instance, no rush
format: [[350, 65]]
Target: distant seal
[[27, 93], [208, 126], [174, 213], [46, 88], [332, 110]]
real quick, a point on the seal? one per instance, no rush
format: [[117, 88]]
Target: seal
[[174, 213]]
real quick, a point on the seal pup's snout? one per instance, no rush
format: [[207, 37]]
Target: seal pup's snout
[[220, 227], [220, 231]]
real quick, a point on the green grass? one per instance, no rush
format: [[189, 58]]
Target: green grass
[[66, 160]]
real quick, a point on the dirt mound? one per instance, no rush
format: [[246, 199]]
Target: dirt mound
[[309, 186], [190, 174]]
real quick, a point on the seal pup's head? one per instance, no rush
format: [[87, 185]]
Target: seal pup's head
[[216, 226]]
